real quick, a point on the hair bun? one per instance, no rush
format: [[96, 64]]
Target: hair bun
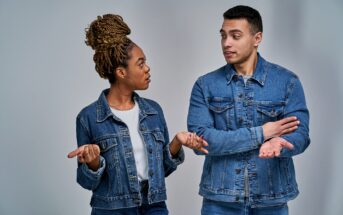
[[107, 31]]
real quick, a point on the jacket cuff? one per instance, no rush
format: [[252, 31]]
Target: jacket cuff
[[94, 174], [177, 159], [258, 135]]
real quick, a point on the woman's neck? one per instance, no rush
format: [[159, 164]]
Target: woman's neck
[[120, 98]]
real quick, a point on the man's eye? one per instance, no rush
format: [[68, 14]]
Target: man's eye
[[236, 36], [223, 36]]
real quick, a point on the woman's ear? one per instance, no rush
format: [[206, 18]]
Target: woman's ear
[[120, 72]]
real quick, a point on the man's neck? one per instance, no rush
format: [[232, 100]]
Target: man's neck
[[247, 68]]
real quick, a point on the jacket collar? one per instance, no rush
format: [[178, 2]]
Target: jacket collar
[[259, 75], [103, 110]]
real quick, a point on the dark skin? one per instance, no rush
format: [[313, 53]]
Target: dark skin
[[136, 76]]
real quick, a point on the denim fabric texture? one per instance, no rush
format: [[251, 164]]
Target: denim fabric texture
[[229, 113], [158, 208], [210, 207], [115, 184]]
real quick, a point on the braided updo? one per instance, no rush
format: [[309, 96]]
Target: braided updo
[[107, 35]]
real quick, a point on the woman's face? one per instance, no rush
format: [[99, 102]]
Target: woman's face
[[137, 76]]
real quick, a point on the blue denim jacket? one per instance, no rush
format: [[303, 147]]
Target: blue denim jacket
[[115, 184], [229, 114]]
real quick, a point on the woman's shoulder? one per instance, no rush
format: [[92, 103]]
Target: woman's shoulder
[[88, 110], [150, 104]]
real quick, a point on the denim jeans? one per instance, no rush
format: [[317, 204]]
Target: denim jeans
[[159, 208], [210, 207]]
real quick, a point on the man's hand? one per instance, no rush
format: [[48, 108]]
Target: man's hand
[[280, 127], [89, 154], [272, 148]]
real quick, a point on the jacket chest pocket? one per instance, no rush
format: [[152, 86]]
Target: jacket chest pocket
[[159, 142], [269, 111], [222, 109], [110, 151]]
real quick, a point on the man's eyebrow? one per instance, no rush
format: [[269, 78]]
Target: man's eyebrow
[[231, 31], [235, 31]]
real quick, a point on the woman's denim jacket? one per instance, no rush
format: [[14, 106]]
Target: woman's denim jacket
[[115, 184], [229, 113]]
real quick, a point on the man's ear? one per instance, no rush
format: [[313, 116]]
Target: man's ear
[[258, 39]]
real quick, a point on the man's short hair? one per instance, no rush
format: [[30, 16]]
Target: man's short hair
[[245, 12]]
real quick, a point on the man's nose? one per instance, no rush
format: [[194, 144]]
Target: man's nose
[[227, 42]]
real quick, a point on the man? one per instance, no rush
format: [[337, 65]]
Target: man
[[254, 117]]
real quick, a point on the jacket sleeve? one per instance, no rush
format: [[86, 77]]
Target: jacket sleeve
[[296, 106], [86, 177], [200, 120], [169, 163]]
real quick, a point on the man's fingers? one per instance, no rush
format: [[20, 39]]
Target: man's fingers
[[289, 130], [286, 144], [287, 120], [289, 127], [290, 124]]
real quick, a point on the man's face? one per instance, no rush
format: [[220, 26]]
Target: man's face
[[237, 40]]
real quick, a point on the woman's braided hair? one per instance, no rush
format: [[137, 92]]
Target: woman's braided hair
[[107, 35]]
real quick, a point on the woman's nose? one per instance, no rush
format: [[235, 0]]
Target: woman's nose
[[147, 68]]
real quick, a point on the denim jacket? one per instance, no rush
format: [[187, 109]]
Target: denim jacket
[[229, 113], [115, 184]]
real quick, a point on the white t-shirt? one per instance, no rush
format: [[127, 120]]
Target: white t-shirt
[[131, 119]]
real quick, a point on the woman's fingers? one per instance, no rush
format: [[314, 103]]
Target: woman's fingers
[[73, 153], [203, 150], [86, 153]]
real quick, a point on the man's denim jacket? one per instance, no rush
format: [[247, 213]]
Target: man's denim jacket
[[115, 184], [229, 113]]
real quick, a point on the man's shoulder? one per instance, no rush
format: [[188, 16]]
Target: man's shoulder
[[279, 71], [220, 72]]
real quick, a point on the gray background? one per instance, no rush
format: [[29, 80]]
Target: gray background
[[47, 76]]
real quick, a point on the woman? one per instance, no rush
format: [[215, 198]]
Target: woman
[[131, 155]]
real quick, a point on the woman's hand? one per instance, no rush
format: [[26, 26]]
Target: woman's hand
[[89, 154], [280, 127], [192, 141]]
